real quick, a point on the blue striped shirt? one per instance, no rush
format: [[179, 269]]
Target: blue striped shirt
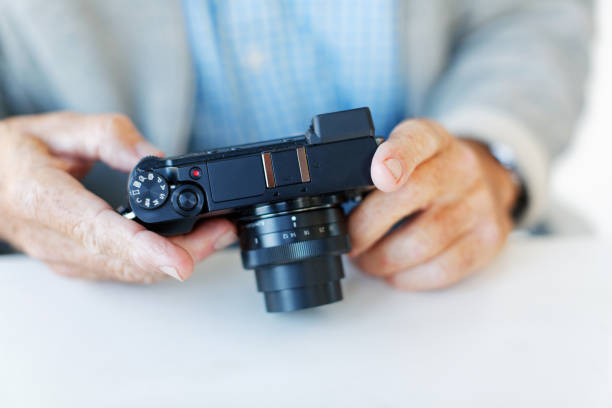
[[264, 68]]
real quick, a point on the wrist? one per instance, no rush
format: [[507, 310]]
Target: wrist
[[503, 183]]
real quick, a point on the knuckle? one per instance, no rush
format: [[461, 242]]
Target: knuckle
[[386, 263], [464, 263], [404, 127], [478, 198], [88, 232], [150, 240], [420, 125], [424, 237], [416, 140], [127, 273], [359, 227], [442, 220], [115, 124], [410, 131], [434, 128], [464, 166], [23, 179], [25, 198], [66, 115], [480, 192], [447, 274], [420, 247], [475, 207], [117, 119], [446, 278], [468, 158], [397, 283], [81, 230], [491, 233], [438, 138], [365, 264]]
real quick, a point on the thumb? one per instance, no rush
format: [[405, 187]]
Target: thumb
[[411, 143], [387, 170]]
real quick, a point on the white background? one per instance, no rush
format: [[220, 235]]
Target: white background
[[522, 333], [582, 177]]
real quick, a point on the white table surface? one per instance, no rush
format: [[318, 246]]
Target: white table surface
[[534, 329]]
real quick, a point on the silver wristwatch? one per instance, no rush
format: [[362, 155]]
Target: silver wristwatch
[[507, 158]]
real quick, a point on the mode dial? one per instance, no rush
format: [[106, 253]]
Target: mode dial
[[148, 190]]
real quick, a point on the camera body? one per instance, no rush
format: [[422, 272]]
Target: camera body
[[284, 195]]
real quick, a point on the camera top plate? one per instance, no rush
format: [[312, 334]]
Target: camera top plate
[[168, 195]]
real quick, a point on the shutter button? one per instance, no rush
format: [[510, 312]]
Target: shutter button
[[187, 200]]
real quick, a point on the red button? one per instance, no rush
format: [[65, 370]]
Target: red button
[[195, 173]]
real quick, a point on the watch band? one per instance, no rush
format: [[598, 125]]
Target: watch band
[[506, 157]]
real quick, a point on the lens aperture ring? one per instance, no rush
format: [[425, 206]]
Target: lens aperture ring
[[299, 219], [293, 235], [296, 251]]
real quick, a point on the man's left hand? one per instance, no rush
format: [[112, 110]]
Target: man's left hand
[[459, 200]]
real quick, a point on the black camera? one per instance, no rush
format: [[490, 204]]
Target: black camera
[[285, 196]]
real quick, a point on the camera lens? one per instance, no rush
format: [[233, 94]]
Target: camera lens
[[295, 248]]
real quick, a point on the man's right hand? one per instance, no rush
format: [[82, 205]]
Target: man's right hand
[[49, 215]]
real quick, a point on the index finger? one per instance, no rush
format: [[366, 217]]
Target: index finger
[[411, 143], [112, 138]]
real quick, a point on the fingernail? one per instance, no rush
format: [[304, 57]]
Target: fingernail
[[225, 240], [170, 271], [147, 149], [395, 167]]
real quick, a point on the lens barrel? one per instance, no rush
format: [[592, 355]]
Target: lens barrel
[[295, 249]]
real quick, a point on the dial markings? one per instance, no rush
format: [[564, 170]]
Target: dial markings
[[150, 190]]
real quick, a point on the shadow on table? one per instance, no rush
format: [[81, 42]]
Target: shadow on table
[[6, 249]]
